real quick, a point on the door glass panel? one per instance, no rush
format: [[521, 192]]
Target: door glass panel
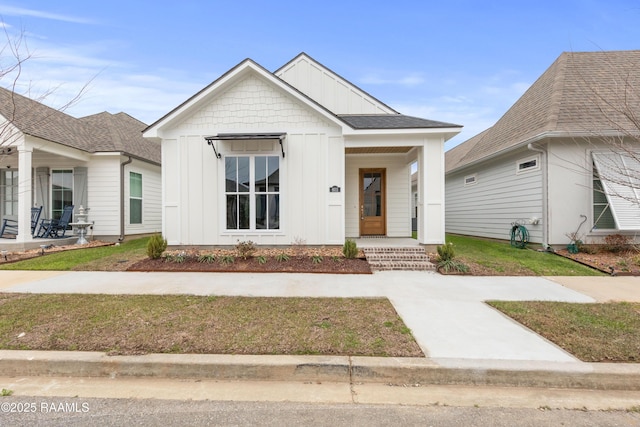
[[372, 194], [61, 191]]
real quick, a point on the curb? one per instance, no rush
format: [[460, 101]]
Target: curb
[[338, 369]]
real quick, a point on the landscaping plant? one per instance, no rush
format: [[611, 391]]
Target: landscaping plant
[[350, 249], [156, 246]]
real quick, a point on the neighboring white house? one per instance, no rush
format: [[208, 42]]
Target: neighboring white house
[[550, 161], [300, 154], [100, 162]]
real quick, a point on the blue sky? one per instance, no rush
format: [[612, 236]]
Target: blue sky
[[463, 62]]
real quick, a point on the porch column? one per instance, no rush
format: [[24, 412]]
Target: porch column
[[24, 194], [431, 193]]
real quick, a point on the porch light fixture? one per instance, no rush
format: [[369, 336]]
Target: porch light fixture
[[280, 136]]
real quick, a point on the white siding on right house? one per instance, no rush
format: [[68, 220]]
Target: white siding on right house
[[499, 196]]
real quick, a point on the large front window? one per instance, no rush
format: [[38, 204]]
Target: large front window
[[252, 191], [61, 191]]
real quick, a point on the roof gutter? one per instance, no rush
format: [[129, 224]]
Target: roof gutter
[[545, 194], [122, 165]]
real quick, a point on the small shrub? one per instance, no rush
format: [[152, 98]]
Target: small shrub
[[261, 259], [227, 259], [587, 249], [350, 249], [245, 249], [6, 392], [156, 246], [446, 262], [207, 258], [180, 258], [617, 243], [316, 259], [169, 258], [445, 252], [336, 258], [282, 257]]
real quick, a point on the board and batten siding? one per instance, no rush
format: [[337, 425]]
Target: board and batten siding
[[194, 206], [398, 193], [499, 197], [329, 89]]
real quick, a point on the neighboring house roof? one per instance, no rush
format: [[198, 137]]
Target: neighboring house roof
[[103, 132], [586, 93]]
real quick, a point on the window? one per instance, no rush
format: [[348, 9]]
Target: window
[[252, 192], [470, 179], [61, 191], [9, 192], [528, 165], [135, 198]]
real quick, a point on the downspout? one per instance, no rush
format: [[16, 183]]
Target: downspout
[[122, 165], [545, 195]]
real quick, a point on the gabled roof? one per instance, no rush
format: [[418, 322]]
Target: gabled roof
[[580, 93], [103, 132], [393, 120]]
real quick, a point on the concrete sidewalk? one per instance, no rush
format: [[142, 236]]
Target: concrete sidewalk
[[465, 341]]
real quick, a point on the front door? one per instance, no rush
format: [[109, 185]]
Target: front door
[[373, 220]]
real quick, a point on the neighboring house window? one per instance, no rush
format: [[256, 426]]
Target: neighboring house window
[[135, 198], [252, 192], [61, 191], [528, 165], [470, 179], [9, 192]]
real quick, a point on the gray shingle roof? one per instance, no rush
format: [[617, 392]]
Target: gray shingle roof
[[391, 121], [581, 92], [100, 132]]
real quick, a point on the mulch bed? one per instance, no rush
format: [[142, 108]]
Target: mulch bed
[[625, 263], [295, 264]]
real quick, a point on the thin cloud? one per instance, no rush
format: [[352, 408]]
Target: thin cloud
[[410, 80], [19, 11]]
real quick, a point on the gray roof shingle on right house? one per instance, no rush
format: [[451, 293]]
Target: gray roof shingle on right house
[[391, 121], [103, 132], [580, 93]]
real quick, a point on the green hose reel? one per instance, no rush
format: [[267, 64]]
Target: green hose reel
[[519, 236]]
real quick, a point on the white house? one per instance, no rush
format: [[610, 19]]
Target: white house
[[299, 154], [100, 162], [563, 160]]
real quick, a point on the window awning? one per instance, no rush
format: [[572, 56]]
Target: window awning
[[243, 137], [619, 173]]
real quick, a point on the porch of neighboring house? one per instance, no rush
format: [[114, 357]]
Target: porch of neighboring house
[[11, 245]]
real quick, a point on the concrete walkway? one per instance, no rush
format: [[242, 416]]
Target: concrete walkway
[[464, 339]]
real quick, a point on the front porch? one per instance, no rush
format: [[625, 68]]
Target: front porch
[[13, 245]]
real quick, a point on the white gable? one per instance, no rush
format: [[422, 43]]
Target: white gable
[[618, 173], [328, 89], [253, 104]]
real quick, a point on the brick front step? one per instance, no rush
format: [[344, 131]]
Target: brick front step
[[388, 258]]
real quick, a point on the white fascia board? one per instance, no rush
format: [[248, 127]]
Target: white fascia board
[[58, 149]]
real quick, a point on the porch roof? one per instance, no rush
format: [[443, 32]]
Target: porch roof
[[392, 121]]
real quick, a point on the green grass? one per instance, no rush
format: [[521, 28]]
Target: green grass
[[68, 260], [608, 332], [500, 258]]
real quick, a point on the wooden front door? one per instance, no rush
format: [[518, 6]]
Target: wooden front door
[[373, 218]]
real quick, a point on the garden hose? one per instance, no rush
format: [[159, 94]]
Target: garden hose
[[519, 236]]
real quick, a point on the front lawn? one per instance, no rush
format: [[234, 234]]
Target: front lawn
[[489, 257], [608, 332], [139, 324]]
